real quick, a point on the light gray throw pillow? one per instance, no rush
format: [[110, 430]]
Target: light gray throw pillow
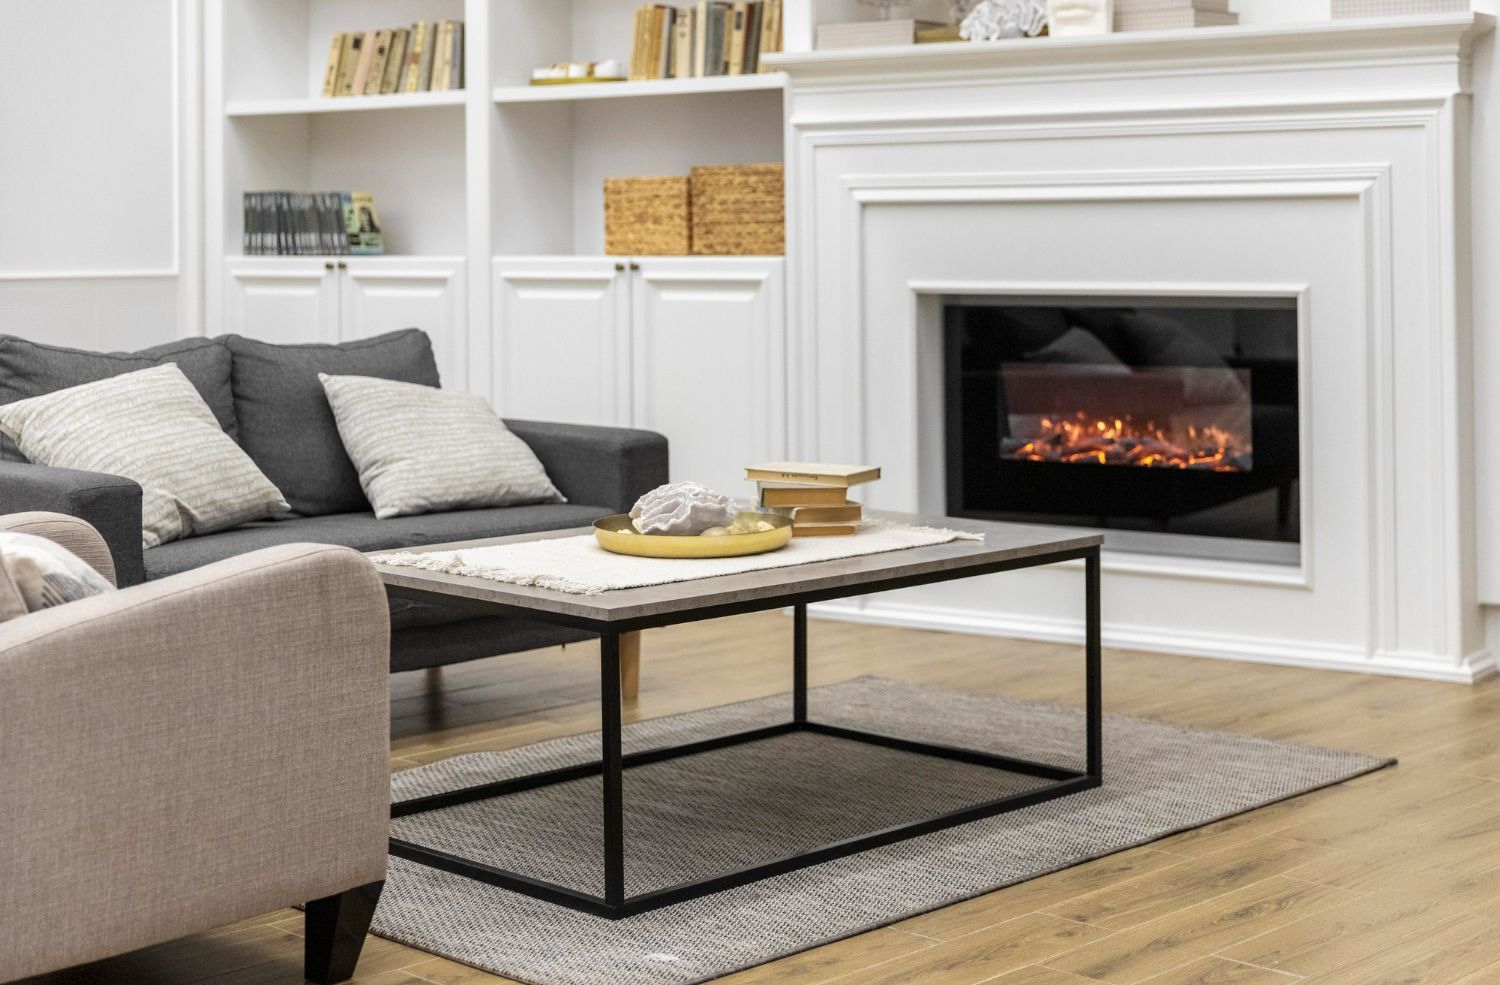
[[150, 426], [419, 449], [37, 574]]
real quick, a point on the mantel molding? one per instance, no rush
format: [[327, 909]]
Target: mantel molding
[[1443, 40]]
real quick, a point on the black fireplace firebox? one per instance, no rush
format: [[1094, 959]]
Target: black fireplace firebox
[[1155, 416]]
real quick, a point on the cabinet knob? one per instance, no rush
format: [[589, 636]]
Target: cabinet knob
[[343, 265], [328, 265], [634, 265], [619, 266]]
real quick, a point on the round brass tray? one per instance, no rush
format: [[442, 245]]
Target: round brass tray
[[609, 533]]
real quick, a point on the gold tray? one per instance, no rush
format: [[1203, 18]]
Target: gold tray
[[577, 80], [608, 532]]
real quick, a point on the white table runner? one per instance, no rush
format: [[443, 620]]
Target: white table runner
[[579, 566]]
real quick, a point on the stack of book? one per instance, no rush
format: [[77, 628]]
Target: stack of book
[[815, 496], [1343, 9], [1167, 15], [707, 38], [312, 224], [426, 57]]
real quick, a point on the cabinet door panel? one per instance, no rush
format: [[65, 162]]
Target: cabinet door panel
[[281, 299], [383, 294], [709, 363], [561, 339]]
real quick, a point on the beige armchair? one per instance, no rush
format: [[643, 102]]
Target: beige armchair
[[191, 752]]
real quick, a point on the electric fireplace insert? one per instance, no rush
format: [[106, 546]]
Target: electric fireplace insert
[[1148, 417]]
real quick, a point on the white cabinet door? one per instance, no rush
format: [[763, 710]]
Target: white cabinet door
[[282, 299], [561, 339], [710, 363], [383, 294]]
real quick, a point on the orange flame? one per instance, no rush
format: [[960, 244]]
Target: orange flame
[[1120, 441]]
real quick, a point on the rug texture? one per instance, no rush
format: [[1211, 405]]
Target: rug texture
[[717, 811]]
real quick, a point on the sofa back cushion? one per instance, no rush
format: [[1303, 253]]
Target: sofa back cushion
[[31, 369], [286, 425]]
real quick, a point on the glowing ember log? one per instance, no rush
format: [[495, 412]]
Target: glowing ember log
[[1121, 441]]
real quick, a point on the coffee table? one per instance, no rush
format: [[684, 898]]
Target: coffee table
[[1006, 547]]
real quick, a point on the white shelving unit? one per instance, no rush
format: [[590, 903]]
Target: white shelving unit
[[467, 181]]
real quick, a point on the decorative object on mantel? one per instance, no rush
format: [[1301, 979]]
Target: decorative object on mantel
[[1343, 9], [1172, 15], [873, 34], [566, 73], [1079, 17], [994, 20]]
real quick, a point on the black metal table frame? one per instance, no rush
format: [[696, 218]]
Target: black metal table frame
[[615, 904]]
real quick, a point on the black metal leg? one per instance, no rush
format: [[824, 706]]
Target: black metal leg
[[613, 770], [336, 928], [1094, 699], [799, 663]]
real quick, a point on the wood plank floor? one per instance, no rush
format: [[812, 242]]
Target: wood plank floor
[[1391, 878]]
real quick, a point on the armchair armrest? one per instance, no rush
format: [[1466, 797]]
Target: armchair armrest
[[110, 503], [191, 752], [597, 466]]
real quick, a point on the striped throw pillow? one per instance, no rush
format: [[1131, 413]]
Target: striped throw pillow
[[419, 449], [150, 426]]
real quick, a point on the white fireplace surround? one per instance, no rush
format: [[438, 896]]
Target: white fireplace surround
[[1325, 163]]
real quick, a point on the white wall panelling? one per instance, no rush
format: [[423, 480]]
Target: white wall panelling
[[1330, 171]]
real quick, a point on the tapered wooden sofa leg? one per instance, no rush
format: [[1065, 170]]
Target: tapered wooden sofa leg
[[630, 665], [336, 927]]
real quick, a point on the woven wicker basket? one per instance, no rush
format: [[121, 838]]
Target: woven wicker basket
[[739, 210], [646, 217]]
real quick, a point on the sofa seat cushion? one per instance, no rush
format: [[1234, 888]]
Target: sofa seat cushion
[[286, 424], [363, 532], [31, 369]]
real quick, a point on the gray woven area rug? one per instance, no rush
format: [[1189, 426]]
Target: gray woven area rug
[[722, 810]]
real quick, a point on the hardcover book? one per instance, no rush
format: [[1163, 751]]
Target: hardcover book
[[395, 62], [779, 494], [813, 473], [331, 73], [377, 63]]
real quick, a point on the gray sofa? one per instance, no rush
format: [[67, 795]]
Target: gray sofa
[[268, 398]]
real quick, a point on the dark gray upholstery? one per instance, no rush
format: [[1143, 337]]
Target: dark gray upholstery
[[458, 640], [604, 466], [108, 502], [363, 532], [30, 369], [285, 423]]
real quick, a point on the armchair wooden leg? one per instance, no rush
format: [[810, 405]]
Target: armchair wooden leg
[[630, 665], [336, 928]]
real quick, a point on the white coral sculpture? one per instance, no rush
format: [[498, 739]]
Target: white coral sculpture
[[992, 20], [682, 509]]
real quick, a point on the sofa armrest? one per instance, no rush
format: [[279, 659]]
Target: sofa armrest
[[597, 466], [110, 503], [190, 752], [68, 532]]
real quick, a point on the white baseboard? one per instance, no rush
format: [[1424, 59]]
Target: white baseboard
[[1266, 650]]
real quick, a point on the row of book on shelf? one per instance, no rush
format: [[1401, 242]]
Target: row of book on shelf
[[707, 38], [312, 224], [815, 496], [426, 57]]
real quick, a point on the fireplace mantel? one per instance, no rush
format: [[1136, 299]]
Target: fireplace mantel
[[1378, 43], [1322, 163]]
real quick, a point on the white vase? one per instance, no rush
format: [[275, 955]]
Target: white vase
[[1068, 18]]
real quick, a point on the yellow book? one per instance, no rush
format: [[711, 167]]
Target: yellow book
[[395, 62], [823, 529], [348, 62], [362, 70], [412, 74], [377, 63], [777, 494], [848, 513], [736, 47], [813, 473], [331, 73], [442, 57]]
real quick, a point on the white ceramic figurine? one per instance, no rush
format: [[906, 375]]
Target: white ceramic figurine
[[1073, 17]]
